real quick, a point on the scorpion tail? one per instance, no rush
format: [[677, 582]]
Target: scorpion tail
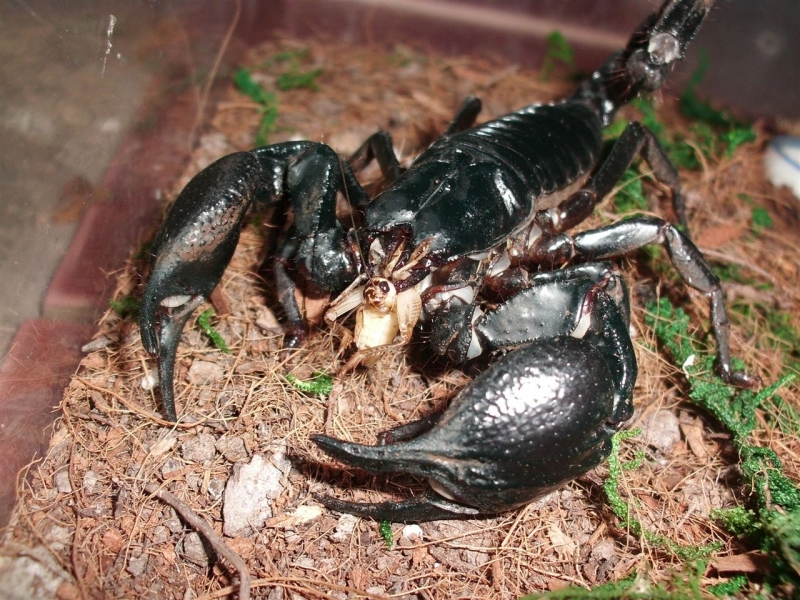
[[645, 63]]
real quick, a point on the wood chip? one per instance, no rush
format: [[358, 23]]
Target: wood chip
[[741, 563], [693, 432]]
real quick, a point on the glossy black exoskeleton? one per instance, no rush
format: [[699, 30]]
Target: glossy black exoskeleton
[[485, 207]]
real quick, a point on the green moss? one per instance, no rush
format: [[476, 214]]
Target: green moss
[[204, 322], [267, 100], [773, 523], [730, 587], [385, 529], [631, 197], [321, 384], [291, 78], [558, 51], [125, 307]]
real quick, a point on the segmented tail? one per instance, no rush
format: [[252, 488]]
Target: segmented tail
[[644, 64]]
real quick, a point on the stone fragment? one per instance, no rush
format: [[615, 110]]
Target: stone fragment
[[344, 528], [198, 448], [232, 448], [61, 481], [661, 430], [193, 550], [202, 372], [249, 493]]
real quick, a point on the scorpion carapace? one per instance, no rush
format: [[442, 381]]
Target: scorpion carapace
[[484, 212]]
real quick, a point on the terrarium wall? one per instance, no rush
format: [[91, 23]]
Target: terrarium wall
[[100, 107]]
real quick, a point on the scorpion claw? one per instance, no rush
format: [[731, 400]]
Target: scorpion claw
[[172, 323], [191, 251], [505, 440], [428, 506]]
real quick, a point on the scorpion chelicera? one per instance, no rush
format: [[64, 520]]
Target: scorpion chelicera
[[484, 212]]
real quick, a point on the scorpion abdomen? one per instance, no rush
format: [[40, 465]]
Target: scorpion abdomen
[[470, 190]]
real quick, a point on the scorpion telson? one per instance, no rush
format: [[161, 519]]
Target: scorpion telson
[[482, 214]]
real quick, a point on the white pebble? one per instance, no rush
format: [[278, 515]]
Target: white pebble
[[412, 531], [150, 381], [782, 163]]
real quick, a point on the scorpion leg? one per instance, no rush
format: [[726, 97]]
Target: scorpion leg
[[539, 416], [295, 330], [201, 230], [623, 237], [466, 115], [638, 139], [635, 140], [378, 146]]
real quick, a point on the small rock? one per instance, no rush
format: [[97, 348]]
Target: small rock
[[603, 550], [61, 481], [194, 481], [276, 593], [202, 372], [150, 380], [344, 528], [216, 487], [159, 534], [204, 397], [194, 551], [170, 466], [232, 448], [412, 532], [34, 574], [96, 344], [249, 492], [661, 430], [91, 483], [198, 448], [172, 522], [306, 513], [137, 565], [164, 445], [305, 562]]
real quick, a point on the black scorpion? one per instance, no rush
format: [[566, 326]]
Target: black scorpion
[[483, 212]]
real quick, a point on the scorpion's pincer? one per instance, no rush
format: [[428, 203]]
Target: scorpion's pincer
[[190, 253]]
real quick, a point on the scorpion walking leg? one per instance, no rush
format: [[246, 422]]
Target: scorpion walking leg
[[295, 331], [466, 115], [635, 140], [378, 146], [638, 139], [689, 262]]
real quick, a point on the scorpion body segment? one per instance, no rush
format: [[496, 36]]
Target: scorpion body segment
[[503, 171], [472, 243]]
